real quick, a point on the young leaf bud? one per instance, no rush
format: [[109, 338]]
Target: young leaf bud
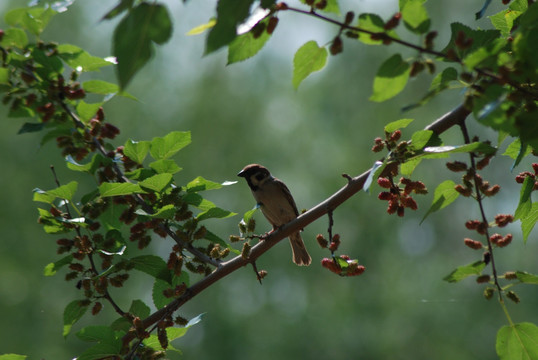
[[489, 292]]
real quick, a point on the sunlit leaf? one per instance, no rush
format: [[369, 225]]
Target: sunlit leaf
[[165, 147], [230, 13], [156, 183], [116, 189], [80, 60], [415, 16], [443, 196], [529, 221], [87, 111], [152, 265], [246, 45], [527, 278], [52, 268], [390, 79], [396, 125], [72, 313], [525, 201], [165, 166], [517, 341], [308, 59], [375, 24]]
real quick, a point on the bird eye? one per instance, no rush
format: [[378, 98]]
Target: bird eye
[[260, 176]]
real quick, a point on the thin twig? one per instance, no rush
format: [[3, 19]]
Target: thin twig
[[472, 155]]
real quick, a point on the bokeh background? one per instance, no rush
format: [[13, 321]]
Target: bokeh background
[[249, 112]]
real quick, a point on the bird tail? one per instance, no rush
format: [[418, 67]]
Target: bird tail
[[300, 255]]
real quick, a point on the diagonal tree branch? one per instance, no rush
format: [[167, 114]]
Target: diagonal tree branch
[[354, 185]]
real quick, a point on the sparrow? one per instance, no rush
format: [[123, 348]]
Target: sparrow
[[277, 205]]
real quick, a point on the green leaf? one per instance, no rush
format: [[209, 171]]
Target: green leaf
[[33, 19], [396, 125], [165, 166], [246, 45], [529, 221], [390, 79], [104, 88], [116, 189], [504, 20], [50, 65], [165, 147], [480, 38], [52, 268], [43, 196], [465, 271], [152, 265], [4, 79], [443, 196], [517, 341], [65, 191], [89, 167], [198, 201], [87, 111], [72, 313], [159, 300], [102, 350], [138, 308], [14, 38], [442, 80], [134, 37], [517, 151], [50, 224], [308, 59], [156, 183], [420, 139], [95, 334], [486, 54], [201, 184], [215, 212], [80, 60], [12, 357], [416, 17], [527, 278], [525, 202], [373, 23], [166, 212], [172, 333], [409, 166], [230, 13], [136, 150]]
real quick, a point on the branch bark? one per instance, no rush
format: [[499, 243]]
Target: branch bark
[[354, 185]]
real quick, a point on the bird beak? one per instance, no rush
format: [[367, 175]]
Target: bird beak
[[241, 173]]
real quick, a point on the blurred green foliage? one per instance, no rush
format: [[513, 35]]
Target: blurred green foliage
[[249, 112]]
